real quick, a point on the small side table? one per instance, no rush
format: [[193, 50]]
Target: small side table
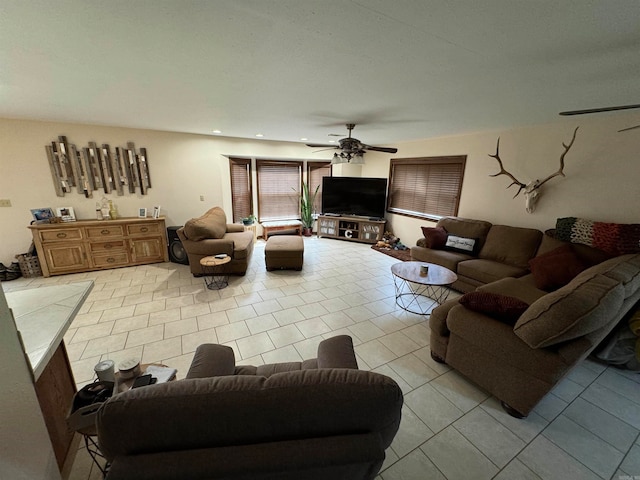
[[215, 277]]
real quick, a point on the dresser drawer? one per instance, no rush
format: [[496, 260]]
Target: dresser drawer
[[104, 232], [115, 259], [139, 229], [60, 234], [108, 247]]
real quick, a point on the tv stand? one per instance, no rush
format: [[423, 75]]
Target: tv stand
[[355, 229]]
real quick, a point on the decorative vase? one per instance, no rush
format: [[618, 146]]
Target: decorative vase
[[307, 231]]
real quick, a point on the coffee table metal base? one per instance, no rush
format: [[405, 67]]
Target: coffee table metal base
[[215, 281], [417, 298]]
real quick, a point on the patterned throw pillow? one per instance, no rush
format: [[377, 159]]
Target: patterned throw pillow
[[461, 244], [434, 237], [501, 307], [556, 268]]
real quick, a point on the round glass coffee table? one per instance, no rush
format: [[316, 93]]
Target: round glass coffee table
[[420, 293], [215, 277]]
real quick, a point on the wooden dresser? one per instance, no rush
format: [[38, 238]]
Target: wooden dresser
[[99, 244]]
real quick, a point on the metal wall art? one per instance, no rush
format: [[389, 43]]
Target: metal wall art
[[93, 167]]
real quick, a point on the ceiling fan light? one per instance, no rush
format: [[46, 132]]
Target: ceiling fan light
[[336, 159], [358, 159]]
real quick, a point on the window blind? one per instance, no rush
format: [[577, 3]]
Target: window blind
[[426, 187], [279, 184], [240, 188]]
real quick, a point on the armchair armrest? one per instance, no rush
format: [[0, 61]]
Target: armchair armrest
[[337, 352], [235, 227], [212, 360], [209, 246]]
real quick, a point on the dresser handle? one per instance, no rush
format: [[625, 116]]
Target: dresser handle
[[105, 232], [108, 246], [144, 229], [61, 235], [111, 260]]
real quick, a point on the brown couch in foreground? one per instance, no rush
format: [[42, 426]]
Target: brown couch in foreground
[[210, 234], [318, 419]]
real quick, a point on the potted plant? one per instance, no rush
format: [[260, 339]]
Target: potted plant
[[249, 220], [306, 209]]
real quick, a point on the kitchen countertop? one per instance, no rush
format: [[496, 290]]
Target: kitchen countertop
[[43, 315]]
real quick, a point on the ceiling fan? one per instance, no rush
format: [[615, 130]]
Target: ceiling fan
[[604, 109], [351, 148]]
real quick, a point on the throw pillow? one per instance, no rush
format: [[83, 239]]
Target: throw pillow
[[555, 268], [501, 307], [435, 238], [461, 244], [213, 224]]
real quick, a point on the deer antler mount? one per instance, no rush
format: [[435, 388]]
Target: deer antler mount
[[532, 189]]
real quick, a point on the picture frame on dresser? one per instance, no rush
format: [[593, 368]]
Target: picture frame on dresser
[[66, 213], [40, 214], [142, 213]]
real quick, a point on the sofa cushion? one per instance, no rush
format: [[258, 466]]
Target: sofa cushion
[[434, 237], [582, 306], [213, 224], [588, 255], [242, 244], [511, 245], [487, 271], [461, 244], [521, 288], [444, 258], [466, 227], [501, 307], [555, 268], [625, 269]]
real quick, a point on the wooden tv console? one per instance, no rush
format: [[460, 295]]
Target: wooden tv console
[[87, 245], [355, 229]]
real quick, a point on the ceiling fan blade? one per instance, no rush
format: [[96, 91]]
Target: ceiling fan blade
[[381, 149], [324, 149], [599, 110], [629, 128], [321, 145]]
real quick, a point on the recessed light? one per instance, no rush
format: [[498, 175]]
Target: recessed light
[[217, 131], [332, 141], [259, 135], [304, 139]]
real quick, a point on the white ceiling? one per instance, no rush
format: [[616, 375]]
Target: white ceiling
[[401, 69]]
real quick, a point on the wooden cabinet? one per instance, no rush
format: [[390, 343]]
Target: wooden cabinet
[[99, 244], [351, 228]]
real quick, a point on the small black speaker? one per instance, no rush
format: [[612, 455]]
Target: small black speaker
[[177, 254]]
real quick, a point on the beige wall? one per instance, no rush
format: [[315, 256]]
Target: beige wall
[[600, 168], [182, 167]]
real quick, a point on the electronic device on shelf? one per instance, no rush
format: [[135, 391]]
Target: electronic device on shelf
[[354, 196]]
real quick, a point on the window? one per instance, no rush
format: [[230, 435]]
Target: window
[[315, 172], [278, 189], [240, 188], [426, 187]]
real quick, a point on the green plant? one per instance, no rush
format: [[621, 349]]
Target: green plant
[[249, 220], [306, 205]]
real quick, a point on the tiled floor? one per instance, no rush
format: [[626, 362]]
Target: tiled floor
[[587, 428]]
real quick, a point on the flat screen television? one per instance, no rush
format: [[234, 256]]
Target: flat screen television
[[360, 196]]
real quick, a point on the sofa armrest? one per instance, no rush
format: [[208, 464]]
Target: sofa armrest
[[337, 352], [235, 227], [212, 360]]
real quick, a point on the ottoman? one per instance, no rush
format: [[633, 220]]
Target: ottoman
[[284, 251]]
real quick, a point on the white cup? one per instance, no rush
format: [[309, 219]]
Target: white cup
[[105, 371]]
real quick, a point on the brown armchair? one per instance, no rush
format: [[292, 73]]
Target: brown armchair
[[313, 420], [210, 234]]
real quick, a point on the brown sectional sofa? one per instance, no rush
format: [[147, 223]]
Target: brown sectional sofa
[[210, 234], [520, 363], [318, 419]]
